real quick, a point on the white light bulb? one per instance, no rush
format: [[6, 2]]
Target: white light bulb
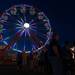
[[26, 25]]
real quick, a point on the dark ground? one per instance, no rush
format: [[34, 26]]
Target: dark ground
[[13, 69]]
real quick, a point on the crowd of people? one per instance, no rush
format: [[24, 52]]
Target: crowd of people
[[52, 59]]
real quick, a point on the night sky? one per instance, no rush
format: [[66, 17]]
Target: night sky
[[60, 12]]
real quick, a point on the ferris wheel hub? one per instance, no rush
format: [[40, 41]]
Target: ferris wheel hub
[[26, 25]]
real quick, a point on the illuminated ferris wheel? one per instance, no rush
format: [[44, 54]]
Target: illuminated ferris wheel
[[24, 28]]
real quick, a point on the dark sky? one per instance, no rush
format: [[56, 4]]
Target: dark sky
[[60, 12]]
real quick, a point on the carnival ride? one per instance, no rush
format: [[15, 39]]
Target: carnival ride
[[24, 28]]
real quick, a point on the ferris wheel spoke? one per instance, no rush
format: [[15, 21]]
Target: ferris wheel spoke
[[42, 34], [22, 20], [43, 37], [33, 47], [32, 21], [7, 38], [18, 24], [25, 34], [42, 29], [18, 27], [35, 43], [33, 24], [17, 50], [18, 31], [35, 40], [24, 47], [4, 30], [33, 27], [14, 45], [15, 38], [24, 41], [5, 42], [28, 33], [25, 19], [22, 32], [8, 13]]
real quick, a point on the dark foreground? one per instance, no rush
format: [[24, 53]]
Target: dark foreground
[[13, 69]]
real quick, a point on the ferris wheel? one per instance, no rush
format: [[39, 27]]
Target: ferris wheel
[[24, 28]]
